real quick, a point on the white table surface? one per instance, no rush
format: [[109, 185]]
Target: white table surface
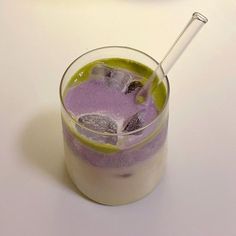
[[39, 39]]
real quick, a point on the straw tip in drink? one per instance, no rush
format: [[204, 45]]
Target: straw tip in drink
[[199, 16], [140, 99]]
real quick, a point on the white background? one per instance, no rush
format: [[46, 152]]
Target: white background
[[38, 39]]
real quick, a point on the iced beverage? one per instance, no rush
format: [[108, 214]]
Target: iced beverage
[[115, 147]]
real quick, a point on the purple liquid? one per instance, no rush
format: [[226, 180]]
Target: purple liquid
[[93, 96]]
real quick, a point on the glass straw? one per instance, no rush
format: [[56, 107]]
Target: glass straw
[[191, 29]]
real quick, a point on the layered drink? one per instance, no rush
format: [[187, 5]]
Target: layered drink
[[115, 147]]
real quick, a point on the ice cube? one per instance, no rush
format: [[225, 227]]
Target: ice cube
[[117, 78], [100, 71], [99, 123], [134, 86], [134, 122]]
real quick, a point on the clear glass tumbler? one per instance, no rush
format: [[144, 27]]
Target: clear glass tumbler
[[128, 171]]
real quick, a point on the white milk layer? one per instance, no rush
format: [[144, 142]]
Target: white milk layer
[[115, 186]]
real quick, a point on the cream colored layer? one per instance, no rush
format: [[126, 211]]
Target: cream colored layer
[[115, 186]]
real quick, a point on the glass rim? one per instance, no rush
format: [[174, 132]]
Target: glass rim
[[120, 133]]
